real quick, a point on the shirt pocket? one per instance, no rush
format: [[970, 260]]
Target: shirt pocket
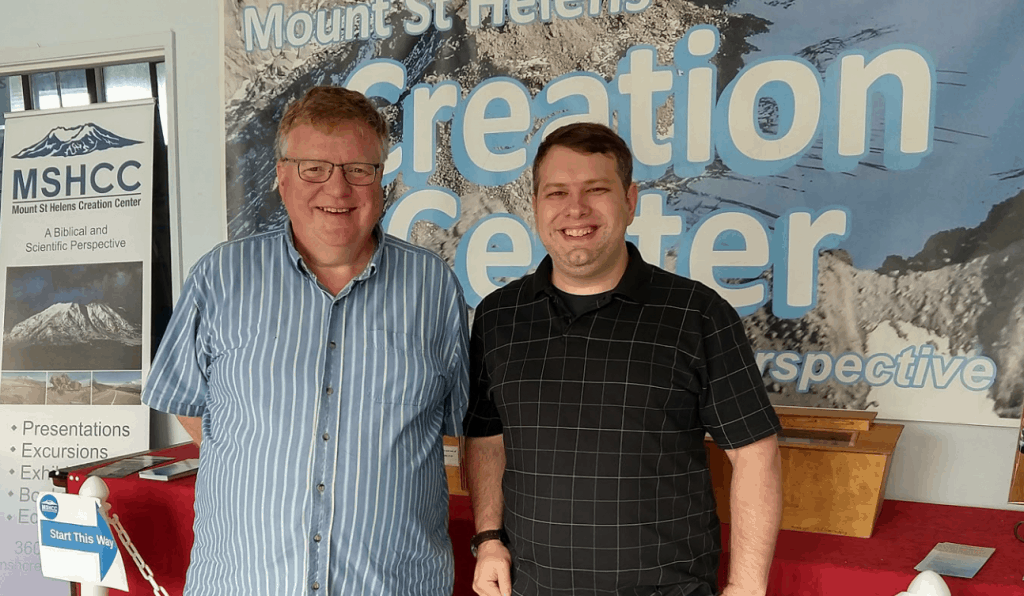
[[406, 374]]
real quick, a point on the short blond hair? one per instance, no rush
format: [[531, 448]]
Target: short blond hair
[[325, 107]]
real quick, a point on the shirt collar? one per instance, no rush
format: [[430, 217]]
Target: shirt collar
[[296, 259], [632, 285]]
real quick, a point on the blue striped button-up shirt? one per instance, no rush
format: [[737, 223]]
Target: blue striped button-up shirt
[[321, 469]]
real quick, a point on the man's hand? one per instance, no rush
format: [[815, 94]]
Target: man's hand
[[485, 463], [493, 574]]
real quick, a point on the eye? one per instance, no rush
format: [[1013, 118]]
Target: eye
[[313, 167], [359, 169]]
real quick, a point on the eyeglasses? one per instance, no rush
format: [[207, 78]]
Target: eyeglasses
[[314, 170]]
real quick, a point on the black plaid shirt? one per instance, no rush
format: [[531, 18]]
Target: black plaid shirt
[[607, 489]]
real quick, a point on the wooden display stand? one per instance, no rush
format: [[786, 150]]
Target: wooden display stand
[[453, 449], [1017, 480], [835, 464]]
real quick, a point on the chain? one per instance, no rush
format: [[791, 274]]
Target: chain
[[134, 552]]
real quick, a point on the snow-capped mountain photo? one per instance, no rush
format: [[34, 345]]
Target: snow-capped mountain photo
[[74, 317], [70, 323]]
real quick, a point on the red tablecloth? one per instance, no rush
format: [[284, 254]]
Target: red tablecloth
[[158, 516], [809, 564]]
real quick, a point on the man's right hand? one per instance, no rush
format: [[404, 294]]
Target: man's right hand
[[493, 574]]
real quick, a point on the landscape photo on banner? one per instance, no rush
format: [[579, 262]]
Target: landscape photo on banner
[[848, 175]]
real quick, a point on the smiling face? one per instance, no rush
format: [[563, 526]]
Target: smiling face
[[582, 211], [332, 221]]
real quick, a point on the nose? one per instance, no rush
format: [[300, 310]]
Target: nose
[[337, 184], [578, 204]]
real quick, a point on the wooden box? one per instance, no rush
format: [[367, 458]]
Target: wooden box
[[453, 448], [835, 464]]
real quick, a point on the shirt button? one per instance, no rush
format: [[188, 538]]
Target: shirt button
[[327, 436], [316, 585], [330, 390], [316, 538], [333, 345], [320, 487]]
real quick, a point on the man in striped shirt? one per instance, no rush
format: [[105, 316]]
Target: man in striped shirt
[[319, 366]]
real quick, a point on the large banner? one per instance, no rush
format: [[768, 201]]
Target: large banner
[[75, 265], [847, 174]]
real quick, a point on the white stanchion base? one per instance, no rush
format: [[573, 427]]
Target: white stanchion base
[[927, 583]]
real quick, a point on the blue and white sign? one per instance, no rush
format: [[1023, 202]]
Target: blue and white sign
[[848, 175], [76, 543]]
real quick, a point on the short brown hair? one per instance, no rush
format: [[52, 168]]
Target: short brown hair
[[325, 107], [588, 137]]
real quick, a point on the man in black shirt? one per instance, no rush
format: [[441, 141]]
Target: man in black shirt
[[594, 380]]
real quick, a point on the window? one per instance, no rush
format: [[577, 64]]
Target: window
[[11, 96], [79, 87]]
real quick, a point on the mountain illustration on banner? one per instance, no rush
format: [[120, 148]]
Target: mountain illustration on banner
[[79, 140], [67, 323]]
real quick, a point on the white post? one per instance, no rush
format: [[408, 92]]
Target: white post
[[927, 583], [95, 487]]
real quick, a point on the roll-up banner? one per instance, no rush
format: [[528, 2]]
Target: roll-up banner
[[847, 174], [75, 266]]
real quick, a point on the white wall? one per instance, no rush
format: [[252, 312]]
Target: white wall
[[941, 463]]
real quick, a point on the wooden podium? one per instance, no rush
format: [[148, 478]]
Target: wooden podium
[[835, 464]]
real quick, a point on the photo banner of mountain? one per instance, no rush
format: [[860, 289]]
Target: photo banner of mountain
[[74, 317], [848, 175], [75, 268]]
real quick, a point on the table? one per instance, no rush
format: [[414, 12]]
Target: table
[[809, 564], [159, 515]]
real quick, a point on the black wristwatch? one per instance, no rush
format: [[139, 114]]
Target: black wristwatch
[[484, 536]]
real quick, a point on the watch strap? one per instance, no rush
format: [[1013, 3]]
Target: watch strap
[[485, 536]]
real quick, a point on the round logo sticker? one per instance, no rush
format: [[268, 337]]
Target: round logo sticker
[[48, 506]]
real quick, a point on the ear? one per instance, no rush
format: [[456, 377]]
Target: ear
[[631, 199], [279, 169]]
